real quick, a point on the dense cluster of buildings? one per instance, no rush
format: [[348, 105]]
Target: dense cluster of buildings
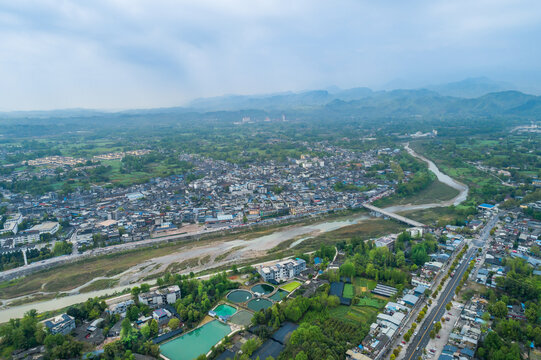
[[221, 195]]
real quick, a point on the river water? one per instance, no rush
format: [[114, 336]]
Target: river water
[[446, 179], [261, 243]]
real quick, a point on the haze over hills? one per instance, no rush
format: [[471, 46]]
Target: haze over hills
[[361, 102]]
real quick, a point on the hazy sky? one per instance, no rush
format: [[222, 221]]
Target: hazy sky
[[137, 54]]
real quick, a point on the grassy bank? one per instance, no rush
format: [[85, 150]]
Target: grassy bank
[[435, 192], [439, 215]]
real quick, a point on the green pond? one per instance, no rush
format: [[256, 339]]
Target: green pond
[[225, 310], [189, 346], [258, 304], [278, 295], [263, 289], [239, 296]]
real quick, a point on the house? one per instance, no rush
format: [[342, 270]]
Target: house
[[61, 324], [161, 315], [410, 299], [120, 308], [419, 290], [161, 296]]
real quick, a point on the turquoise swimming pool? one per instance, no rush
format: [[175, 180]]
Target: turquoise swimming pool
[[225, 310], [199, 341]]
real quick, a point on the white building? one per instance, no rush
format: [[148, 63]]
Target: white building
[[26, 237], [283, 270], [48, 227], [161, 296], [12, 224]]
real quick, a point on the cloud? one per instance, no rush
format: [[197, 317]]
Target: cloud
[[133, 53]]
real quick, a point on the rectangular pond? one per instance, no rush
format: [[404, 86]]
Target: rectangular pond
[[199, 341]]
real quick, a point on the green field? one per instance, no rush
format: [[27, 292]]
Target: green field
[[371, 302], [354, 314], [348, 291], [443, 215], [363, 286], [289, 287]]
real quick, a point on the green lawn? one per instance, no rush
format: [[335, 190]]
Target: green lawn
[[354, 314], [371, 302], [436, 191], [362, 285], [290, 286], [348, 291]]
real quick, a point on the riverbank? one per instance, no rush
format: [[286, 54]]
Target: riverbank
[[129, 268]]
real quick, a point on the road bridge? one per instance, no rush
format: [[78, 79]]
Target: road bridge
[[397, 217]]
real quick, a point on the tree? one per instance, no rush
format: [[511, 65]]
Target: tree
[[135, 291], [145, 288], [347, 269], [174, 323], [125, 328], [132, 313], [449, 306], [153, 325], [432, 334], [145, 331], [499, 309], [250, 346]]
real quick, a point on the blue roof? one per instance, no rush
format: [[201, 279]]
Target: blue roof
[[467, 352], [488, 206]]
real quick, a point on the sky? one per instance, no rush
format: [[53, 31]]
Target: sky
[[125, 54]]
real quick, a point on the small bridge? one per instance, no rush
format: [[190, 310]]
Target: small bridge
[[400, 218]]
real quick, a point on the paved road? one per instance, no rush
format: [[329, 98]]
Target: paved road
[[420, 341]]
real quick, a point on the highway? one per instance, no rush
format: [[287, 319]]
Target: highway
[[420, 341]]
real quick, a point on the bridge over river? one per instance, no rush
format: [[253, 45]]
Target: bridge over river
[[392, 215]]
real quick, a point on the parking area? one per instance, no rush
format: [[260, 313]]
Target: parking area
[[435, 346]]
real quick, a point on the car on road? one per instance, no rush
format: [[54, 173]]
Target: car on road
[[403, 342], [415, 333], [432, 350], [438, 336]]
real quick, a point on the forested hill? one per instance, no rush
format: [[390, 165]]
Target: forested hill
[[360, 105]]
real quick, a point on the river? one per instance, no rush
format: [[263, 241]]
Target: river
[[302, 232], [446, 179]]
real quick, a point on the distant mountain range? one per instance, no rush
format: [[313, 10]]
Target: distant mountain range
[[471, 88], [468, 88], [436, 101]]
